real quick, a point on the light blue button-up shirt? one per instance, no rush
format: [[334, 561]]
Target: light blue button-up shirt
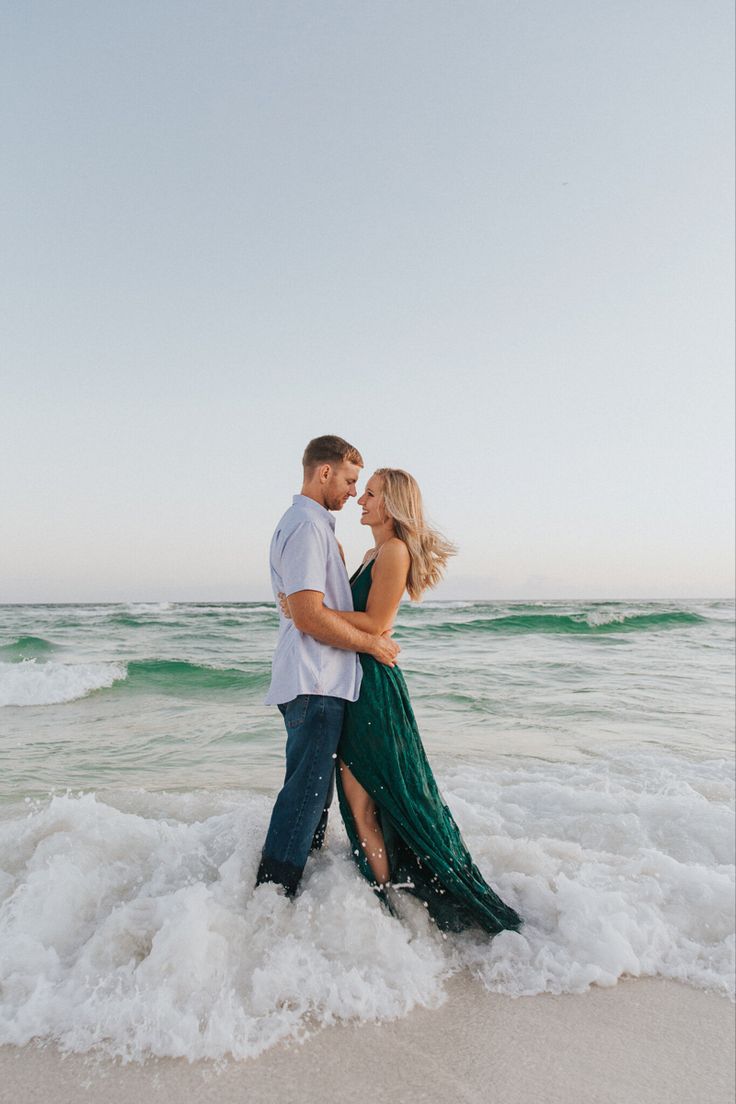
[[305, 556]]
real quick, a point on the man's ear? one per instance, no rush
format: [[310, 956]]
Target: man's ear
[[324, 473]]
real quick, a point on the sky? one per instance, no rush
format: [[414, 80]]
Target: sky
[[489, 242]]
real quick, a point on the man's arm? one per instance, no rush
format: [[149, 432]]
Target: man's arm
[[312, 617]]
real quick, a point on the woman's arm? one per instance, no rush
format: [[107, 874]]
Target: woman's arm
[[310, 615]]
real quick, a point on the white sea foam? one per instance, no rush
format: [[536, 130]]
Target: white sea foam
[[31, 683], [136, 928], [616, 615], [145, 936], [598, 617], [149, 607], [622, 866]]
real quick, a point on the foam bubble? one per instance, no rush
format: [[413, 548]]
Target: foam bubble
[[31, 683]]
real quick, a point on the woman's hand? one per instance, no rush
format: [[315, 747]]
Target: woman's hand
[[284, 603]]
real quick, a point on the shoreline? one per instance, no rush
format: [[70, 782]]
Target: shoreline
[[643, 1041]]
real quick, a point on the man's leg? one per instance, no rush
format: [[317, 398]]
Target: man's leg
[[313, 726], [319, 835]]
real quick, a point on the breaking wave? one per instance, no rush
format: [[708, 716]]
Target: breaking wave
[[26, 647], [30, 683], [136, 928], [593, 621]]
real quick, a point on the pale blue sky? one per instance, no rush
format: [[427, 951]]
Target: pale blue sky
[[489, 242]]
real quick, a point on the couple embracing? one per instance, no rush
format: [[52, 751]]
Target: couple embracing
[[345, 703]]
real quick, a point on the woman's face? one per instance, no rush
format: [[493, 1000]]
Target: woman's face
[[371, 502]]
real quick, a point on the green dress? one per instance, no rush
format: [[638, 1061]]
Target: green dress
[[381, 745]]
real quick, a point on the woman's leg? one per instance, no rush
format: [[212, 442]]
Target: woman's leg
[[367, 824]]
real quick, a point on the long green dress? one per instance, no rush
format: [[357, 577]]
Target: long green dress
[[381, 745]]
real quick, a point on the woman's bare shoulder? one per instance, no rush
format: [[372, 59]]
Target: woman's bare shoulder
[[394, 551]]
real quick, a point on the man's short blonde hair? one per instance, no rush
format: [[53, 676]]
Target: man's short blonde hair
[[329, 450]]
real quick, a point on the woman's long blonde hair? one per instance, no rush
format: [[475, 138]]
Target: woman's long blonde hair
[[429, 551]]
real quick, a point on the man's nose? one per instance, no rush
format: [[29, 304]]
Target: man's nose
[[352, 492]]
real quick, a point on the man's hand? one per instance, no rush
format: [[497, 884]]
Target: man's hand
[[385, 650]]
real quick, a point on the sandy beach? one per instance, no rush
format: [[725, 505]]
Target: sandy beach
[[641, 1042]]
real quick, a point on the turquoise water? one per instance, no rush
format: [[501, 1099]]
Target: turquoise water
[[170, 696], [584, 748]]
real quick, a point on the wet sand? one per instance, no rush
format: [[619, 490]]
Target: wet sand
[[646, 1041]]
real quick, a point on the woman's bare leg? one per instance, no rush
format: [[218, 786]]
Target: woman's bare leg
[[367, 824]]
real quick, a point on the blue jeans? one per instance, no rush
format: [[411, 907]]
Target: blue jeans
[[299, 818]]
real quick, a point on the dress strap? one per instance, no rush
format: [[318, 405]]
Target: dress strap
[[363, 566]]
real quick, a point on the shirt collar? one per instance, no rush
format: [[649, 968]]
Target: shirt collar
[[308, 503]]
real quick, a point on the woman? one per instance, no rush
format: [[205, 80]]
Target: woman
[[401, 832]]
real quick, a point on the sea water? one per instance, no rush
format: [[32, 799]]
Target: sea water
[[585, 749]]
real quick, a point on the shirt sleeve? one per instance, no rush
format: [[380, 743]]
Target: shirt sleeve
[[304, 559]]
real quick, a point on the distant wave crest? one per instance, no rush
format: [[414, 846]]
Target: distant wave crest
[[593, 621], [26, 647], [154, 616], [170, 675]]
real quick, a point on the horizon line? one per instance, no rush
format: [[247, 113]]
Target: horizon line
[[427, 601]]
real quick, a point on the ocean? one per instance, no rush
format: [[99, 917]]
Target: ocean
[[586, 750]]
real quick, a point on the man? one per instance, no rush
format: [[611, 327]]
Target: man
[[315, 666]]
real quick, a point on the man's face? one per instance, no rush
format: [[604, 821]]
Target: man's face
[[341, 485]]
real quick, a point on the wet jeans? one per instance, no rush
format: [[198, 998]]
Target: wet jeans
[[299, 818]]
